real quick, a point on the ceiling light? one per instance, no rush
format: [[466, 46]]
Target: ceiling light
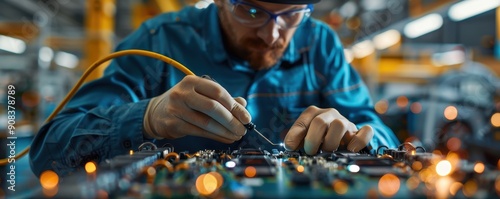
[[67, 60], [469, 8], [386, 39], [363, 49], [423, 25], [12, 45]]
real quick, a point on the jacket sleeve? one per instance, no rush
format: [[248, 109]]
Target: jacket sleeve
[[104, 118], [345, 91]]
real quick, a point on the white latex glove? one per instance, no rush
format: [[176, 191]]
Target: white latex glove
[[327, 128], [198, 107]]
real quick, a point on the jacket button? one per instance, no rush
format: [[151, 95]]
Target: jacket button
[[127, 144]]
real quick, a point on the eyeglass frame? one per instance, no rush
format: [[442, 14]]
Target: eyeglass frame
[[273, 16]]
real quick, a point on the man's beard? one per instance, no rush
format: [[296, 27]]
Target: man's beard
[[258, 54]]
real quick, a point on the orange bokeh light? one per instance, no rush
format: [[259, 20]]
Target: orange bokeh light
[[388, 185], [470, 188], [450, 113], [151, 171], [454, 160], [206, 184], [340, 187], [90, 167], [49, 179], [402, 101], [495, 120], [479, 167], [416, 107], [417, 165], [218, 177], [381, 106], [300, 168], [250, 172]]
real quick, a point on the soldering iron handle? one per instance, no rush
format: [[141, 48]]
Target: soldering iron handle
[[250, 126]]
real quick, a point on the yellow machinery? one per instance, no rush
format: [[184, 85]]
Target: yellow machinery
[[99, 25]]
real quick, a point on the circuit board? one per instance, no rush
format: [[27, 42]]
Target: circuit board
[[254, 173]]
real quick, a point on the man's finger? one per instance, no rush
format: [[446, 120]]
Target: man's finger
[[197, 131], [336, 131], [216, 92], [237, 111], [316, 132], [216, 111], [208, 124], [241, 101], [361, 139], [299, 129]]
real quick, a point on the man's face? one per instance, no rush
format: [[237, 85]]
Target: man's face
[[261, 46]]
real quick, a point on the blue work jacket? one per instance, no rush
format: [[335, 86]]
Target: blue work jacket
[[105, 117]]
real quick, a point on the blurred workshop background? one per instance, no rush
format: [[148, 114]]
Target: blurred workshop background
[[431, 65]]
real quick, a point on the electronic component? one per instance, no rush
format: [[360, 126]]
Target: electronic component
[[255, 173]]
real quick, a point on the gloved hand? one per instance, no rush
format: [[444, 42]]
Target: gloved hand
[[327, 128], [198, 107]]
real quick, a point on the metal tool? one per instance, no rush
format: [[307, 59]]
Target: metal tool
[[251, 126]]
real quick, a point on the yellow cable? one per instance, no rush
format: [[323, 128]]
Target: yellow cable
[[92, 67]]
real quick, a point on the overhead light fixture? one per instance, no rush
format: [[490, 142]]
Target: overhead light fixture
[[469, 8], [65, 59], [45, 54], [12, 45], [423, 25], [386, 39], [363, 49]]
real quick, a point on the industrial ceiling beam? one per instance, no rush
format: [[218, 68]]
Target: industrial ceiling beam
[[26, 31]]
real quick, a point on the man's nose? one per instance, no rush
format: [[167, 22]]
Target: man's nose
[[269, 33]]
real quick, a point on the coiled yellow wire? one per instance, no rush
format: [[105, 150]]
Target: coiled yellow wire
[[87, 72]]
